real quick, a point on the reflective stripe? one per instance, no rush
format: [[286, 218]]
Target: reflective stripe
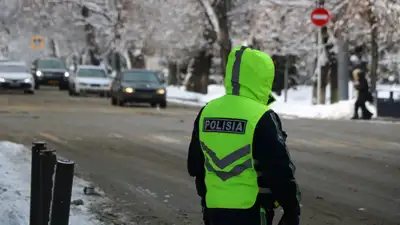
[[226, 161], [236, 71], [265, 191], [229, 159], [237, 170]]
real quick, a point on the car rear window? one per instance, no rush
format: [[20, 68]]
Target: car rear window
[[140, 76]]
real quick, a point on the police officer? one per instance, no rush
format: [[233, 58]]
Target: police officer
[[238, 152]]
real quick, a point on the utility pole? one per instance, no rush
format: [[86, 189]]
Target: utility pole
[[343, 68], [286, 77]]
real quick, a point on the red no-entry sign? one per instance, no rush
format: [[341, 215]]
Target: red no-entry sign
[[320, 17]]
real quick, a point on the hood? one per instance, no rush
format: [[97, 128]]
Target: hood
[[142, 85], [93, 80], [250, 73], [15, 75], [52, 70]]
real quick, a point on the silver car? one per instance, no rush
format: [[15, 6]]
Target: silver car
[[89, 79], [16, 76]]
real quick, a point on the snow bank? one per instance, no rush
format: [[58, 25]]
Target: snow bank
[[15, 170], [180, 95], [298, 104]]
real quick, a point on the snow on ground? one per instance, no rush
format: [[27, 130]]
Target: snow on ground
[[15, 170], [299, 103]]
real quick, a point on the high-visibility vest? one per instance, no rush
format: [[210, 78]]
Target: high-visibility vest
[[226, 128]]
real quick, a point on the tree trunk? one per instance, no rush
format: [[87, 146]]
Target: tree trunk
[[93, 49], [333, 75], [257, 44], [53, 48], [314, 93], [374, 48], [138, 61], [324, 81], [201, 71], [225, 42], [173, 73]]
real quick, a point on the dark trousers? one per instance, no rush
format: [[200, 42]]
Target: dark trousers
[[252, 216], [360, 103]]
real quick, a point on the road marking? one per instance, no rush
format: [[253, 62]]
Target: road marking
[[166, 139], [318, 143], [53, 138], [115, 135]]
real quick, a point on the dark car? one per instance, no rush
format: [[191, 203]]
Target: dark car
[[138, 86], [50, 71]]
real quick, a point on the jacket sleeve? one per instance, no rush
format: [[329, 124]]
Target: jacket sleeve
[[195, 159], [275, 164]]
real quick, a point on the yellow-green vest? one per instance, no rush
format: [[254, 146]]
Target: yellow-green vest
[[226, 130]]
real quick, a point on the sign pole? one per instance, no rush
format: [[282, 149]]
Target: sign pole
[[319, 17], [319, 80]]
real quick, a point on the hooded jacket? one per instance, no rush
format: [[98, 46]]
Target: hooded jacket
[[250, 74]]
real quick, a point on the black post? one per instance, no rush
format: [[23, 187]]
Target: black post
[[35, 211], [62, 192], [47, 165]]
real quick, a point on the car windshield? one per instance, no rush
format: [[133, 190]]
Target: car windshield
[[13, 69], [140, 77], [51, 64], [92, 73]]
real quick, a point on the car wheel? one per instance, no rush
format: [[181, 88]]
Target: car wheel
[[62, 87], [120, 102], [29, 92], [113, 101], [71, 92], [163, 104], [153, 105]]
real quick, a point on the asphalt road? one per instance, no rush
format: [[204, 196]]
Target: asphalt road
[[348, 171]]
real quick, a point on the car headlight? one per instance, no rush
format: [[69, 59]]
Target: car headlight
[[28, 80], [2, 79], [129, 90], [39, 73], [160, 91], [66, 74]]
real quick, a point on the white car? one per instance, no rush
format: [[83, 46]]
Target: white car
[[16, 76], [89, 79]]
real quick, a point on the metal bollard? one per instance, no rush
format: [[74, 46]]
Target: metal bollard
[[62, 192], [47, 165], [35, 211]]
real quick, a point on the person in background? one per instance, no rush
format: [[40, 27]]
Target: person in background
[[238, 151], [363, 95]]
